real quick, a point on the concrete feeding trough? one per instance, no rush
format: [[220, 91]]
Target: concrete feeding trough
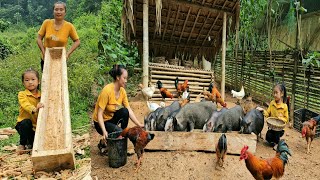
[[52, 148]]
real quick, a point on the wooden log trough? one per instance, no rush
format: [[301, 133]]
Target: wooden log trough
[[200, 141], [52, 148]]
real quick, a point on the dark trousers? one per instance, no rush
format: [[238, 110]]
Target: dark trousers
[[120, 117], [42, 64], [26, 132], [274, 136]]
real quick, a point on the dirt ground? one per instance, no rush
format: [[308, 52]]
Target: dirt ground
[[201, 165]]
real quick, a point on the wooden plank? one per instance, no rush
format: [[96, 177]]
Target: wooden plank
[[181, 75], [199, 141], [53, 148], [177, 68], [190, 83], [174, 77]]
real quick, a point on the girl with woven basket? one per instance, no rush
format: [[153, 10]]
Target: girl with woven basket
[[277, 109]]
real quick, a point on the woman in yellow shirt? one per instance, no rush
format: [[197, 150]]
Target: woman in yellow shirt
[[112, 107], [57, 31], [29, 101], [277, 108]]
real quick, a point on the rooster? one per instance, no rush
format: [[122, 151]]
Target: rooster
[[181, 87], [163, 91], [309, 131], [147, 92], [153, 106], [139, 139], [239, 95], [184, 101], [221, 150], [267, 168], [214, 96]]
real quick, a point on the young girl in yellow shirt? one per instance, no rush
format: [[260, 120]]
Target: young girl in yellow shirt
[[29, 101], [279, 109]]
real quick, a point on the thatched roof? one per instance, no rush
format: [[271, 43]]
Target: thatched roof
[[189, 27]]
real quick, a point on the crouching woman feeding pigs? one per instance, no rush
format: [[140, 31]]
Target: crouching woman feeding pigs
[[112, 107], [279, 109]]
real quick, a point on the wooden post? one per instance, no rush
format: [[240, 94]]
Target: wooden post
[[145, 73], [223, 59], [236, 52], [295, 69]]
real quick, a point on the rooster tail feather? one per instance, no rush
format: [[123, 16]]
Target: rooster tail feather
[[222, 143], [150, 136], [124, 132], [176, 81], [283, 150]]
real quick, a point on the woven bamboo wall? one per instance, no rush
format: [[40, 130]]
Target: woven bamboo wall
[[198, 79], [255, 71]]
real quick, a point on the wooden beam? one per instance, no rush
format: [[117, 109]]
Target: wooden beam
[[203, 26], [53, 148], [209, 9], [200, 141], [175, 22], [223, 61], [167, 43], [184, 25], [145, 73], [194, 25], [165, 29], [204, 40]]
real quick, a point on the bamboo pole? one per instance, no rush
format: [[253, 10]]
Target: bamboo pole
[[145, 73], [223, 60], [236, 47], [296, 58]]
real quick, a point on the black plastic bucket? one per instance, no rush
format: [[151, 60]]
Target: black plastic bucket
[[117, 150]]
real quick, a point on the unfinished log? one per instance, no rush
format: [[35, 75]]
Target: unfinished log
[[52, 148], [200, 141]]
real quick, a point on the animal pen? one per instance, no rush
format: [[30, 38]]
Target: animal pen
[[179, 31]]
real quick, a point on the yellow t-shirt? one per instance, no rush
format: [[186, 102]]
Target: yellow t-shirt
[[28, 102], [108, 102], [277, 110], [53, 38]]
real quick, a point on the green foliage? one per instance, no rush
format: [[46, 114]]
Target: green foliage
[[112, 47], [4, 50], [312, 59], [4, 25], [14, 139]]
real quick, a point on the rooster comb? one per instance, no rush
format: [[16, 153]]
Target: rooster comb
[[244, 149]]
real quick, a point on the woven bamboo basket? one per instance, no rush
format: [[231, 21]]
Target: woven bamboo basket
[[160, 59], [174, 62], [187, 63], [275, 124]]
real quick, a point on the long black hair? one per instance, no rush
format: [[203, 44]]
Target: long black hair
[[116, 70], [282, 88]]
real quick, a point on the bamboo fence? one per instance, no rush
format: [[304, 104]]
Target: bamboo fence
[[254, 70]]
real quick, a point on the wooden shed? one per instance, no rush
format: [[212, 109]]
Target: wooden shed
[[179, 28]]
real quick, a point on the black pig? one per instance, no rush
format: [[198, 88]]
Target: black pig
[[229, 120], [252, 122]]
